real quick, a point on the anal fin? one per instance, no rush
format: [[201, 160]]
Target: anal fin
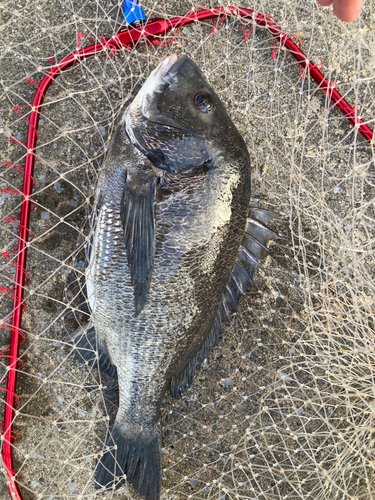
[[89, 350]]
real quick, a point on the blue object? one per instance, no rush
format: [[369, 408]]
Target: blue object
[[133, 13]]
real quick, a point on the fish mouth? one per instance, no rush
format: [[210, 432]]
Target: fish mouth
[[155, 85], [173, 66], [145, 103]]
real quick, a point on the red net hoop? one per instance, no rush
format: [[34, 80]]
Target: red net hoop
[[152, 33]]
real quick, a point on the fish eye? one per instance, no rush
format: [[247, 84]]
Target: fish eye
[[202, 102]]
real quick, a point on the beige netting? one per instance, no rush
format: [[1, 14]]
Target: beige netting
[[284, 406]]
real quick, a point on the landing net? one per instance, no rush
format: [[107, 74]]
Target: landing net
[[283, 408]]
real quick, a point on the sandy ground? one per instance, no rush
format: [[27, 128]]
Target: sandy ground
[[283, 406]]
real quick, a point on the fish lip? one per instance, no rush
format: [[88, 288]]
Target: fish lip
[[174, 68], [167, 64], [164, 75], [145, 103]]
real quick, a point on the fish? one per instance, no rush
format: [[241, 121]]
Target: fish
[[175, 241]]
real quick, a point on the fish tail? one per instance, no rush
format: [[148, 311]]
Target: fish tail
[[136, 454]]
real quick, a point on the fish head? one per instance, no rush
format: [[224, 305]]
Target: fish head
[[178, 121]]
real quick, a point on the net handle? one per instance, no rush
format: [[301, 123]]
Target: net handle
[[128, 38]]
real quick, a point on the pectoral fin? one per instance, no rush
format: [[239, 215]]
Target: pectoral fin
[[138, 219]]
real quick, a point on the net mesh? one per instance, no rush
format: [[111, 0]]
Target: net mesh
[[284, 406]]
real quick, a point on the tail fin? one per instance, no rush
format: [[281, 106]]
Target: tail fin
[[136, 454]]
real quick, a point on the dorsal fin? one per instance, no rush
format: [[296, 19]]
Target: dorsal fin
[[138, 220], [253, 247]]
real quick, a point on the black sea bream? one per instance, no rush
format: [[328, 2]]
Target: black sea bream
[[172, 252]]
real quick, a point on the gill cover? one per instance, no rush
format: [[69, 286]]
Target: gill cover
[[177, 120]]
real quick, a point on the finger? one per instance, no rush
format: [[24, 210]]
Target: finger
[[347, 10], [325, 3]]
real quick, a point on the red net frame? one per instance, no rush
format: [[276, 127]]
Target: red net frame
[[125, 38]]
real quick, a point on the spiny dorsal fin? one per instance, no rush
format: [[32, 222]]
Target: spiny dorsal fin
[[251, 250], [138, 220]]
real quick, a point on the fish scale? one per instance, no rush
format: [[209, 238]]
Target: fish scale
[[175, 272]]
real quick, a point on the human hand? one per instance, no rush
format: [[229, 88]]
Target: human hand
[[346, 10]]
